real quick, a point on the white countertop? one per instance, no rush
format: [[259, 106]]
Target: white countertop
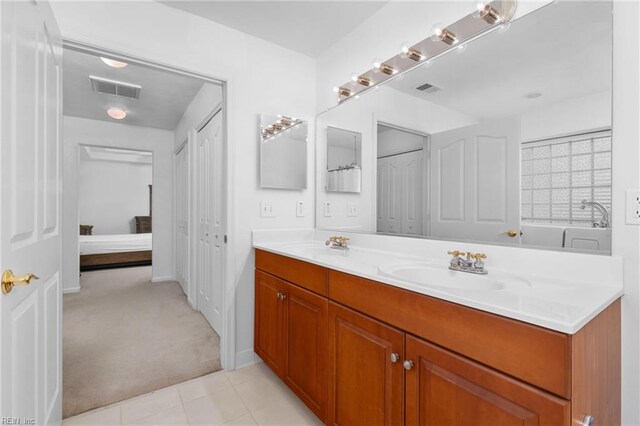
[[549, 300]]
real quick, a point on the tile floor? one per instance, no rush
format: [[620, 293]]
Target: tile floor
[[252, 395]]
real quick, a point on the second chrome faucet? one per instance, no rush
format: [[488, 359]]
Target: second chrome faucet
[[471, 262]]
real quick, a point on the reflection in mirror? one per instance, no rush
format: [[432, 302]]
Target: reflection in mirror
[[507, 141], [283, 152], [344, 162]]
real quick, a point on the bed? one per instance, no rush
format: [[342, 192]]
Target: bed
[[114, 251]]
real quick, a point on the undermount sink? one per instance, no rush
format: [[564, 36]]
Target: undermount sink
[[435, 275]]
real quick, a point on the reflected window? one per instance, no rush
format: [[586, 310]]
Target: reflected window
[[557, 174]]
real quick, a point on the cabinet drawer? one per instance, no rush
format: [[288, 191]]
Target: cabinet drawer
[[306, 275], [533, 354]]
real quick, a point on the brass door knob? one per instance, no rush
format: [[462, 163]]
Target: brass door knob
[[9, 280], [512, 233]]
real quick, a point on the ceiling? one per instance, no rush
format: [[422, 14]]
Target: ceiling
[[308, 27], [163, 99], [562, 51]]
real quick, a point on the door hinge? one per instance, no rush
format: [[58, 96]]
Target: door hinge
[[225, 239]]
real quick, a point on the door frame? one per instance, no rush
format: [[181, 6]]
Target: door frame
[[228, 336]]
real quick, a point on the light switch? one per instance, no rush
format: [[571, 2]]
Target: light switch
[[266, 209], [327, 209], [352, 209], [299, 208]]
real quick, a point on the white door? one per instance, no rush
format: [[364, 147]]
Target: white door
[[389, 195], [182, 217], [400, 193], [30, 189], [210, 220], [475, 182]]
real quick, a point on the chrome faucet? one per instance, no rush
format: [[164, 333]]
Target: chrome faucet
[[473, 263], [338, 243], [604, 220]]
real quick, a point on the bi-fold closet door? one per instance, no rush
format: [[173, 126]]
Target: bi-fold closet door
[[182, 213]]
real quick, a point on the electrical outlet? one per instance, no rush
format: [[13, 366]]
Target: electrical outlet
[[633, 207], [266, 209], [327, 209], [299, 208], [352, 210]]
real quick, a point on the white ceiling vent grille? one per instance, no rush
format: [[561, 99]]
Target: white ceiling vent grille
[[428, 88], [116, 88]]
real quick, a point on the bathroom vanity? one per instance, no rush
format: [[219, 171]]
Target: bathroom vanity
[[363, 351]]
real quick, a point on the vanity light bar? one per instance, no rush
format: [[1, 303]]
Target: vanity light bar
[[486, 17], [283, 123]]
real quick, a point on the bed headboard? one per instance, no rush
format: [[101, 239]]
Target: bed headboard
[[86, 229]]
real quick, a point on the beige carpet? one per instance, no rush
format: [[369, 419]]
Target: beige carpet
[[124, 336]]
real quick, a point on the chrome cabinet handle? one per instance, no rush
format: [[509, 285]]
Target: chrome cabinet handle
[[407, 364], [588, 421], [395, 357], [281, 296]]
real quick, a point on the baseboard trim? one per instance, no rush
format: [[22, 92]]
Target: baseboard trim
[[246, 358], [161, 279], [71, 290]]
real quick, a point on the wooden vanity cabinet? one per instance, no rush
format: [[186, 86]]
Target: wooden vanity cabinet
[[342, 344], [443, 388], [269, 321], [366, 378], [291, 337]]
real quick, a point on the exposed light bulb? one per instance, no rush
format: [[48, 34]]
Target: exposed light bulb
[[113, 63], [116, 113], [336, 89], [354, 77]]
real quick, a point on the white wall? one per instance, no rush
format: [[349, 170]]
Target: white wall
[[82, 131], [393, 141], [203, 104], [410, 21], [260, 76], [592, 112], [112, 193]]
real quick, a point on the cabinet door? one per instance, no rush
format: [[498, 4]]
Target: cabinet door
[[366, 379], [306, 347], [443, 388], [269, 321]]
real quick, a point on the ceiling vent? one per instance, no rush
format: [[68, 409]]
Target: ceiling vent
[[116, 88], [428, 88]]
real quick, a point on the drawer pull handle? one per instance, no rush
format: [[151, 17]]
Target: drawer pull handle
[[408, 364], [395, 357]]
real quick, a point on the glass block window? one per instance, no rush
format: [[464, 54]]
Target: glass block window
[[557, 174]]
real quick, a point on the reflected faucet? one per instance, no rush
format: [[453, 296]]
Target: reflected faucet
[[604, 220]]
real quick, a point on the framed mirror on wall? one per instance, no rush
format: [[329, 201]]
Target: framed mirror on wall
[[344, 162], [283, 152], [505, 141]]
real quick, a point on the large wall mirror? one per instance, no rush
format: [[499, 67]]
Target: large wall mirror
[[283, 152], [505, 141]]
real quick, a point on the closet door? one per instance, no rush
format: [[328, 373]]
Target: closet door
[[389, 205], [182, 216]]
